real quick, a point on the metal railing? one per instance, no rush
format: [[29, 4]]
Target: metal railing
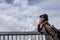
[[21, 36]]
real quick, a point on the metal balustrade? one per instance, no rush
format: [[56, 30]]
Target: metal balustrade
[[21, 36]]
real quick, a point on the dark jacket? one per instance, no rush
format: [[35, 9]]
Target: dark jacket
[[48, 31]]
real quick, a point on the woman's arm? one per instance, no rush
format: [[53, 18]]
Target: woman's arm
[[39, 28]]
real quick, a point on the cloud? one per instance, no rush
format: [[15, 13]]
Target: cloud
[[9, 1], [20, 16], [50, 4], [54, 17], [34, 2]]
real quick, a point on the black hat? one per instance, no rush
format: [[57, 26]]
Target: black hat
[[45, 16]]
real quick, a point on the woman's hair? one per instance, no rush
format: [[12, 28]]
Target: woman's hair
[[45, 16]]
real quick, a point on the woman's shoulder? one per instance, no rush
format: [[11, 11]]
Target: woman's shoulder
[[47, 25]]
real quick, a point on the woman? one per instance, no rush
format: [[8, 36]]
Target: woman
[[45, 28]]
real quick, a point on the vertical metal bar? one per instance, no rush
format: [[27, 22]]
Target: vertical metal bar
[[38, 37], [42, 37], [8, 37], [24, 37], [3, 37], [31, 37], [20, 37], [12, 37], [16, 37], [35, 37]]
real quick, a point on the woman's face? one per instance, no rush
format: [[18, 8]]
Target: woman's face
[[41, 20]]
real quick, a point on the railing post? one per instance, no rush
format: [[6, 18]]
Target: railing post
[[3, 37], [8, 37], [20, 37], [38, 37], [16, 37], [35, 37]]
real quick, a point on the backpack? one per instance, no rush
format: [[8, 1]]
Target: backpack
[[56, 31]]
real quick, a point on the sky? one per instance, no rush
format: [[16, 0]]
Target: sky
[[23, 15]]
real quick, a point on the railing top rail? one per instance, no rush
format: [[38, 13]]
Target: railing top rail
[[20, 33]]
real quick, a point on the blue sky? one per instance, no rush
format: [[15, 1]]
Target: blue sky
[[34, 2], [24, 14], [9, 1]]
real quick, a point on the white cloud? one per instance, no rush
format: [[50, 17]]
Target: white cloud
[[15, 17], [18, 18], [54, 17], [50, 4]]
